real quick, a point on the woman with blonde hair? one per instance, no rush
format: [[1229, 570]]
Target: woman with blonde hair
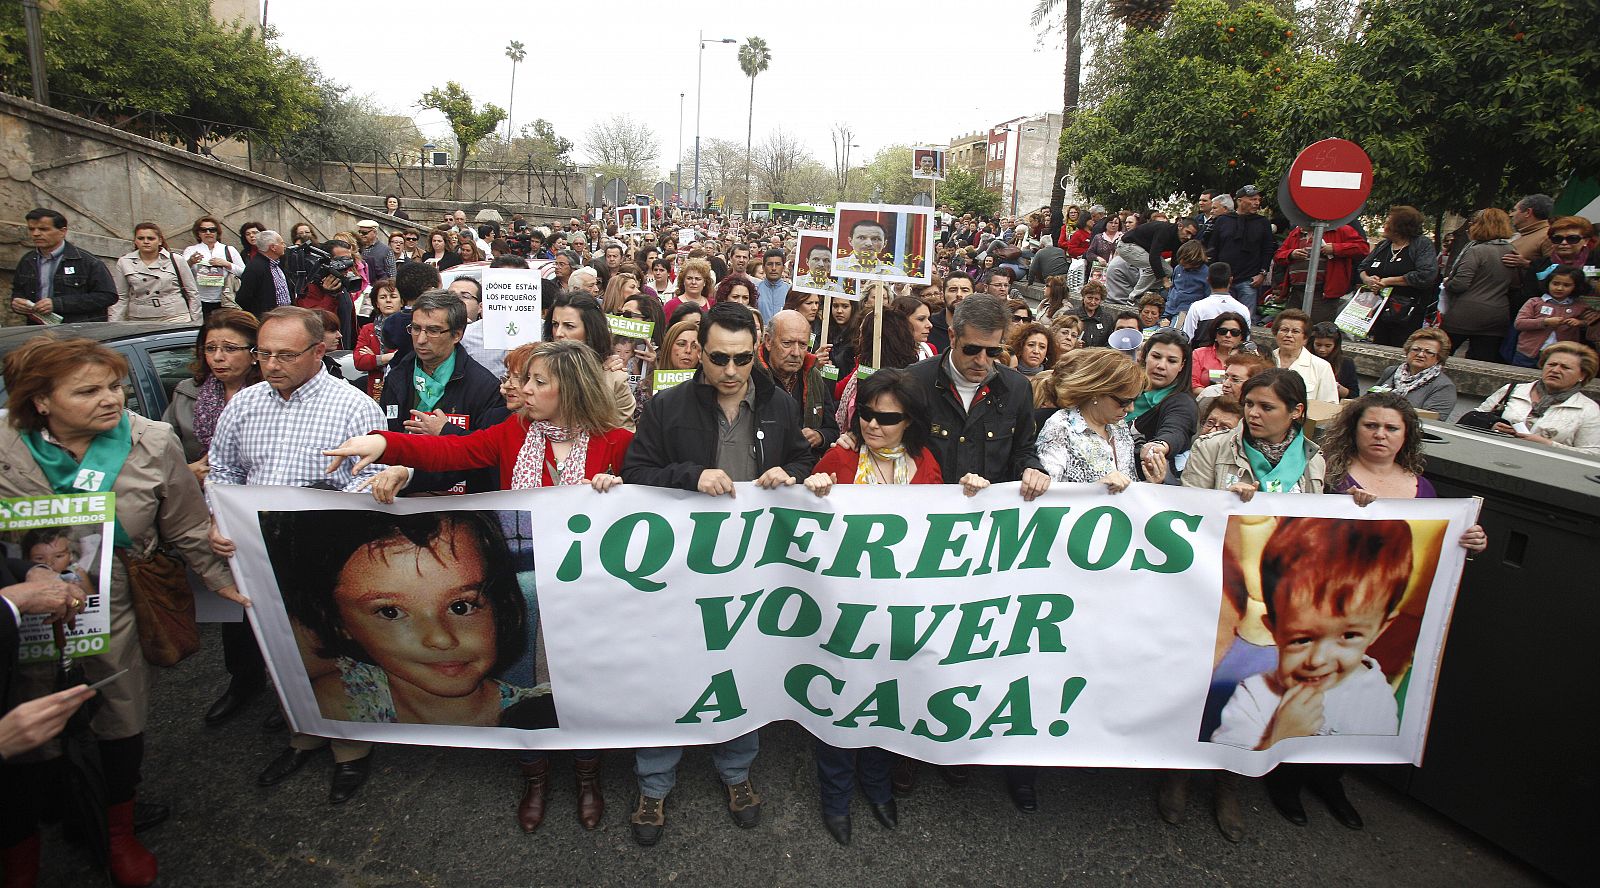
[[1086, 440], [622, 287], [695, 285]]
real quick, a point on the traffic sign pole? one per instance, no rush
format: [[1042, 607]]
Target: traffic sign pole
[[1314, 258]]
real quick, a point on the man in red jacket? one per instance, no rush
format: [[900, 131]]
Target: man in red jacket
[[1342, 249]]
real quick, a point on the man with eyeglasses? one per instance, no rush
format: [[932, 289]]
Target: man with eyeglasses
[[983, 433], [1220, 276], [273, 433], [728, 424], [438, 389]]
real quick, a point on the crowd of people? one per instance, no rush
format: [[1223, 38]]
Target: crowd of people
[[958, 381]]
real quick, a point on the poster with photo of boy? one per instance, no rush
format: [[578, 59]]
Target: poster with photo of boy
[[883, 242], [632, 219], [927, 163]]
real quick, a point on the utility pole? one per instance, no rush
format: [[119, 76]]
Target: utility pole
[[30, 19]]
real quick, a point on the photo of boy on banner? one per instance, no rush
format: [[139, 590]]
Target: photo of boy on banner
[[1318, 628], [883, 242], [425, 618], [927, 163], [813, 266], [632, 219]]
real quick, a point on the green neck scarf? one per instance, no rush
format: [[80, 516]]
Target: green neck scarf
[[1282, 477], [1149, 399], [430, 386], [101, 465]]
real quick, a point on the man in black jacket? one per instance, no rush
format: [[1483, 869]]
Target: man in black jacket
[[1243, 238], [727, 424], [424, 397], [264, 285], [59, 277]]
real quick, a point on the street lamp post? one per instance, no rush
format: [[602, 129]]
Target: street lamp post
[[698, 80], [677, 185]]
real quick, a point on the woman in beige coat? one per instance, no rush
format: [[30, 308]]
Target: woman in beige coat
[[67, 432], [152, 284]]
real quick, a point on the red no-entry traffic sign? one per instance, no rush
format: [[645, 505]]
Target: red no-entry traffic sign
[[1330, 179]]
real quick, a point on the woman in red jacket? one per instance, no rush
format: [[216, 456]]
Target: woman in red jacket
[[892, 423], [567, 432]]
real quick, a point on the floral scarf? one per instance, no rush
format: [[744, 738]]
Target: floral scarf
[[1405, 383], [208, 406], [904, 467], [534, 456]]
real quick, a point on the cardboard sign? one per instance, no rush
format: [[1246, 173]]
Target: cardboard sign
[[513, 307]]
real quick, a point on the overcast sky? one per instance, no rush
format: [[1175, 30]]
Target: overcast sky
[[896, 71]]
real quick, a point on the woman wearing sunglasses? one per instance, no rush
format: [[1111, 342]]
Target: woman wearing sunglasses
[[1227, 335], [212, 263], [892, 425]]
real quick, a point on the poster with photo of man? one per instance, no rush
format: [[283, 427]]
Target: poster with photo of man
[[633, 219], [927, 163], [883, 242], [813, 266]]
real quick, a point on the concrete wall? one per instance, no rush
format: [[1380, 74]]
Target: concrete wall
[[512, 186], [105, 181]]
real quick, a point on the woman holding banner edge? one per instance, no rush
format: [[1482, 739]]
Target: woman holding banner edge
[[567, 432], [892, 422]]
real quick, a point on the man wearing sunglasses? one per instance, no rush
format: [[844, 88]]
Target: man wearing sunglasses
[[728, 424]]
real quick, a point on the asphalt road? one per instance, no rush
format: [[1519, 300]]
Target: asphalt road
[[444, 817]]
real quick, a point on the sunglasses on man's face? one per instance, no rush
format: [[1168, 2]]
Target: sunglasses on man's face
[[972, 351], [1554, 238], [721, 359], [881, 417]]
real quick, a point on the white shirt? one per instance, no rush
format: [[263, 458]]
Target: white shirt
[[1362, 703], [219, 250], [1321, 384], [966, 390], [492, 359], [1205, 309]]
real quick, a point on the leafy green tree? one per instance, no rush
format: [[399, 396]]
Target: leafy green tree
[[962, 190], [1462, 104], [164, 69], [1189, 106], [469, 124], [622, 147], [346, 127], [888, 176], [754, 57]]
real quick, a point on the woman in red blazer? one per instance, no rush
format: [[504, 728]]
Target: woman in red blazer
[[567, 432], [892, 426]]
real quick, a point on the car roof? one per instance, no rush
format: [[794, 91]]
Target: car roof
[[100, 331]]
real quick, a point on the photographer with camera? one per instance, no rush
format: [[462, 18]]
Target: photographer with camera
[[334, 289]]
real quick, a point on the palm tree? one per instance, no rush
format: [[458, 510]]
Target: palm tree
[[1072, 34], [516, 52], [753, 59]]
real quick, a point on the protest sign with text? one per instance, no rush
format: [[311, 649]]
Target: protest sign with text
[[64, 532], [512, 307], [1078, 629]]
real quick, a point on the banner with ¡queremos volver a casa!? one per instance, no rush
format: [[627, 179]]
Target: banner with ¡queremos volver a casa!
[[1162, 627]]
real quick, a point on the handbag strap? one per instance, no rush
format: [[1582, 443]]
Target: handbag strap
[[178, 275]]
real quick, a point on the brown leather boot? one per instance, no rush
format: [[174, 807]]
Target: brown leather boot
[[591, 804], [535, 788]]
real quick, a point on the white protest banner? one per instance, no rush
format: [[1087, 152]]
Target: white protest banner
[[64, 532], [1078, 629], [513, 312]]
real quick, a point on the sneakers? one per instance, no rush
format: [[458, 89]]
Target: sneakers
[[648, 820], [744, 804]]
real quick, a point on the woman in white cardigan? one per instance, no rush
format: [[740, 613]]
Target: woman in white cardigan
[[1552, 410]]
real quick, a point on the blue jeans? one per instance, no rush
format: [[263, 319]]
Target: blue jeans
[[657, 767], [1245, 292]]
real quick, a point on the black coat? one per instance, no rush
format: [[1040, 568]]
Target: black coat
[[256, 293], [1246, 243], [1174, 421], [82, 289], [995, 439], [12, 572], [472, 392], [677, 436]]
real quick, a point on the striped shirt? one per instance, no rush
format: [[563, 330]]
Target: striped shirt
[[263, 438]]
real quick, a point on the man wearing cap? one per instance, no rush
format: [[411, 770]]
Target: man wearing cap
[[375, 251], [1243, 239]]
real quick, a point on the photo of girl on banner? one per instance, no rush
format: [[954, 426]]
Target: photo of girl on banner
[[632, 219], [1318, 628], [927, 163], [813, 266], [424, 618], [883, 242]]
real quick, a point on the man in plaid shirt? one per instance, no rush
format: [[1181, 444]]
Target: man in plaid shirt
[[273, 433]]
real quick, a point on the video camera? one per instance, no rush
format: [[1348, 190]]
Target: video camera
[[344, 269]]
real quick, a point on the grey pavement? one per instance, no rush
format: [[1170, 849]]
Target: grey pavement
[[445, 817]]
